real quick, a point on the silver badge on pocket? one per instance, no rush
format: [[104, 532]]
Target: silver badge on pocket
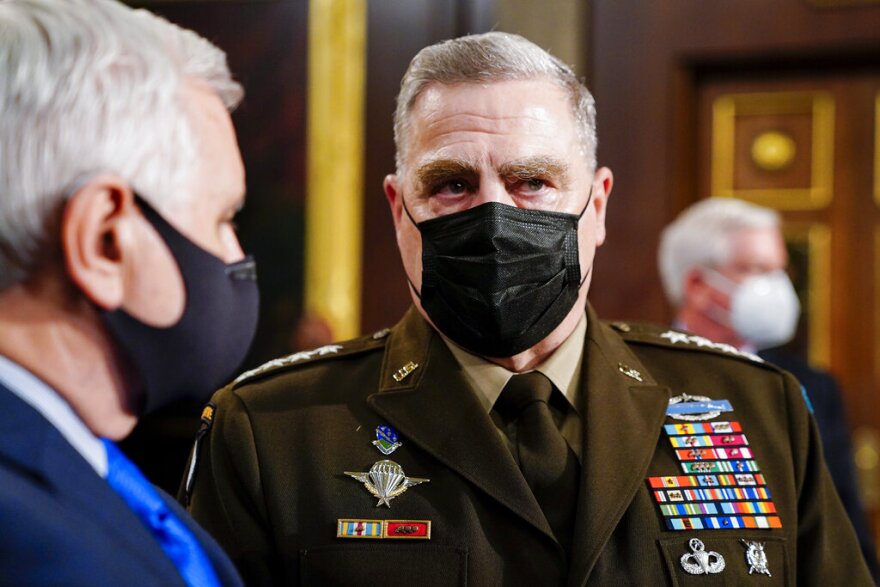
[[700, 562], [756, 557]]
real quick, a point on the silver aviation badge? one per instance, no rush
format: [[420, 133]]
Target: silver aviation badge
[[756, 557], [700, 562], [385, 480]]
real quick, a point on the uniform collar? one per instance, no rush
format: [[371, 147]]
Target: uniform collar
[[562, 367]]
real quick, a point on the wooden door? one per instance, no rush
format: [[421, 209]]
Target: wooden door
[[806, 144]]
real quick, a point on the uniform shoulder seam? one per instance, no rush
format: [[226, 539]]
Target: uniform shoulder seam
[[656, 335], [301, 358]]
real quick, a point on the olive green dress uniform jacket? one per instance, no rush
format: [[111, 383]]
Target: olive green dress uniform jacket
[[270, 485]]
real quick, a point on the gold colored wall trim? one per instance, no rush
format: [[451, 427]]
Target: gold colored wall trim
[[724, 112], [877, 150], [334, 184], [877, 301], [817, 237]]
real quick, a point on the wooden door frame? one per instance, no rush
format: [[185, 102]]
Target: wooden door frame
[[645, 60]]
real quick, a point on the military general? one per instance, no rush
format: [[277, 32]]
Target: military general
[[501, 433]]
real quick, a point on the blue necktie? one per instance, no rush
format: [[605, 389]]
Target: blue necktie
[[175, 539]]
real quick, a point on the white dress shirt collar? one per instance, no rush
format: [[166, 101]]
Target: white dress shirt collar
[[36, 393]]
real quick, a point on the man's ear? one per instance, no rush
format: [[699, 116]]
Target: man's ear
[[696, 291], [96, 230], [394, 197], [603, 181]]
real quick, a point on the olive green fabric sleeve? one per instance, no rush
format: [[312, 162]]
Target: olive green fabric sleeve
[[270, 478], [226, 497], [827, 552]]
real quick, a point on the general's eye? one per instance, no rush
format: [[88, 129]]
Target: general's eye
[[455, 187], [534, 184]]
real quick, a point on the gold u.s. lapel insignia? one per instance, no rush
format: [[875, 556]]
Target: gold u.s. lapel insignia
[[404, 371], [386, 481]]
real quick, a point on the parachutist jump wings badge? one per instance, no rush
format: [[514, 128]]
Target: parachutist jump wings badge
[[385, 480]]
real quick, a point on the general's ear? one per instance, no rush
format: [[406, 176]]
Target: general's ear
[[96, 230], [603, 181], [394, 197]]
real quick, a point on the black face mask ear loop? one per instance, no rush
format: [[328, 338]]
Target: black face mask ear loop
[[413, 220], [587, 205]]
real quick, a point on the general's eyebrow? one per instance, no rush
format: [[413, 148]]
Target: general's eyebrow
[[537, 167], [438, 170]]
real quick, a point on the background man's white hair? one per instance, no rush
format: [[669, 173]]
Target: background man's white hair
[[491, 57], [91, 86], [700, 237]]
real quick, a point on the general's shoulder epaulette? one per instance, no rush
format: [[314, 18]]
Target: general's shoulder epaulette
[[331, 351], [664, 336]]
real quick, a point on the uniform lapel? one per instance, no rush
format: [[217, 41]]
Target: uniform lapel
[[435, 408], [622, 422]]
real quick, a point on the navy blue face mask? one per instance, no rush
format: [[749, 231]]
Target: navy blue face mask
[[203, 350], [497, 279]]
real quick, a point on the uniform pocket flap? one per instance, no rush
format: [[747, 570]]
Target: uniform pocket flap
[[384, 564], [717, 559]]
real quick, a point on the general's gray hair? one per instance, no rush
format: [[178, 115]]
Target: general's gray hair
[[91, 86], [491, 57], [700, 237]]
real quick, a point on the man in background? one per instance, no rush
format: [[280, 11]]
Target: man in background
[[723, 264], [122, 283], [500, 433]]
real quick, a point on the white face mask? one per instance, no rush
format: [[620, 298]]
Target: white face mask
[[764, 309]]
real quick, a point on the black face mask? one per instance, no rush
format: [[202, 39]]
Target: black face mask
[[497, 279], [202, 351]]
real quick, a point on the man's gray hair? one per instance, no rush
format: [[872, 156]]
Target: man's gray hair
[[91, 86], [485, 58], [700, 237]]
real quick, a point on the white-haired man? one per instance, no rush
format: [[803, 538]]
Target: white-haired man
[[501, 434], [122, 283], [723, 264]]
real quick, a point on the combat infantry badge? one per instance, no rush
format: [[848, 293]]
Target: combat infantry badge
[[700, 562], [386, 480], [695, 408], [756, 557]]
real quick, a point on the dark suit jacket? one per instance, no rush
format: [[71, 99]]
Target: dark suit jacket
[[62, 524], [830, 415], [271, 484]]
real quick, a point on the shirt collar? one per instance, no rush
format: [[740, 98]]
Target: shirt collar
[[562, 367], [36, 393]]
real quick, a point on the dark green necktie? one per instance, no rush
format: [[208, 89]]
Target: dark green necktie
[[549, 466]]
